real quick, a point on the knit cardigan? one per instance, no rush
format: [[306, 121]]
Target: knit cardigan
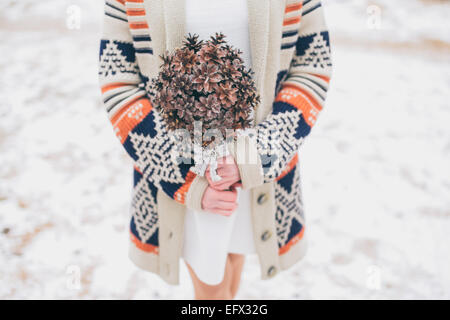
[[291, 59]]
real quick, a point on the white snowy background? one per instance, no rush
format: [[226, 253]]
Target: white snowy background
[[375, 169]]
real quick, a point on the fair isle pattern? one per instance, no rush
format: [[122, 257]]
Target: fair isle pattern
[[291, 23], [281, 76], [316, 52], [144, 224], [145, 213], [293, 13], [135, 122], [155, 156], [313, 57], [288, 168], [273, 144], [289, 215], [119, 69], [304, 103], [140, 32], [300, 92], [293, 115], [113, 62], [129, 116]]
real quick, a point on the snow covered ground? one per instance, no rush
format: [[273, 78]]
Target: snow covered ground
[[375, 169]]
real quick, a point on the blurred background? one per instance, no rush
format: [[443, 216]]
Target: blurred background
[[376, 177]]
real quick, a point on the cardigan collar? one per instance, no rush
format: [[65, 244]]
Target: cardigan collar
[[258, 18]]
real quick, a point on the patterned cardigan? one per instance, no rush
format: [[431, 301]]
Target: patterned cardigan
[[292, 62]]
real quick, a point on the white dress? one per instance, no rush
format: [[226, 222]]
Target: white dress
[[208, 237]]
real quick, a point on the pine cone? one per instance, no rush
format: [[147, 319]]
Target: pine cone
[[204, 81]]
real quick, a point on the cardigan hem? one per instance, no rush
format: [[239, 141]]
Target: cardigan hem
[[144, 260], [148, 262], [295, 254]]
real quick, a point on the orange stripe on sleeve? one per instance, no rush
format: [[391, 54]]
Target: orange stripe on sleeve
[[130, 116], [300, 100], [112, 86], [291, 21], [136, 12], [293, 7], [324, 78], [138, 25]]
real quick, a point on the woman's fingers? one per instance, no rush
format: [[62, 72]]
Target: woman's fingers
[[222, 186], [225, 205], [223, 183], [228, 196], [223, 174], [222, 212], [220, 201], [228, 171], [225, 208], [224, 170], [212, 195]]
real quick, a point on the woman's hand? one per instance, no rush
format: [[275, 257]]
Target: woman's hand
[[220, 202], [228, 170]]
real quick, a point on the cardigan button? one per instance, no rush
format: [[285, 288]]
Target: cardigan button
[[170, 235], [262, 198], [271, 271], [266, 235]]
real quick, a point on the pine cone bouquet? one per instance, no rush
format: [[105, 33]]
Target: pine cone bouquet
[[206, 83]]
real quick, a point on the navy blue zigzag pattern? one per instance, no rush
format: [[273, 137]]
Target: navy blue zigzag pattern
[[147, 127], [153, 240], [126, 49], [304, 43], [302, 130]]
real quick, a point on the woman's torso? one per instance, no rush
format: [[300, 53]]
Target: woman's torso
[[208, 237], [206, 17]]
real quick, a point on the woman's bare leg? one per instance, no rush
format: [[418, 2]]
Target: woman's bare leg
[[237, 263], [227, 289], [205, 291]]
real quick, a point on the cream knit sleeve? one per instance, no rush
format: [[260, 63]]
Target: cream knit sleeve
[[135, 121], [296, 107]]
